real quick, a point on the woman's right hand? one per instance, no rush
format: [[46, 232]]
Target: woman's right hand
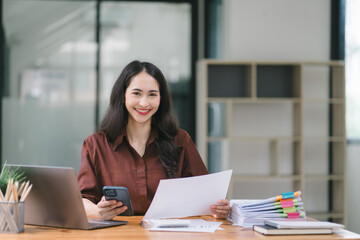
[[109, 209]]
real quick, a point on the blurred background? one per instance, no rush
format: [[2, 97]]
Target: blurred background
[[60, 58]]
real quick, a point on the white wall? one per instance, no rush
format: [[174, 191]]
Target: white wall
[[286, 30], [276, 30], [352, 187]]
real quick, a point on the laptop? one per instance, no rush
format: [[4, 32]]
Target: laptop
[[55, 199]]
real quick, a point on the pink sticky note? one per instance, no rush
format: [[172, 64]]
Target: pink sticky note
[[293, 215], [286, 204]]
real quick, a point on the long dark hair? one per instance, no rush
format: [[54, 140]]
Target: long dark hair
[[116, 118]]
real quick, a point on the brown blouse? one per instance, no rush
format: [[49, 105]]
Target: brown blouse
[[118, 164]]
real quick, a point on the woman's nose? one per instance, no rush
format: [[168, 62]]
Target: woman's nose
[[143, 102]]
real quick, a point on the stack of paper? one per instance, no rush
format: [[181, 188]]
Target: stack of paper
[[247, 213]]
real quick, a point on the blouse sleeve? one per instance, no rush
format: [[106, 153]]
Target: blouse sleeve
[[193, 164], [86, 177]]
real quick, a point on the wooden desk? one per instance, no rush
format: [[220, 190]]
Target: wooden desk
[[134, 231]]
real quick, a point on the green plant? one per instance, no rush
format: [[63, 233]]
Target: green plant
[[10, 172]]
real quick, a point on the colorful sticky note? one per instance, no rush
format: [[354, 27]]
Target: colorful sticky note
[[289, 210], [293, 215], [287, 204], [288, 195]]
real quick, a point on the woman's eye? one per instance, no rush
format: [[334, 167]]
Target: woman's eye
[[136, 93]]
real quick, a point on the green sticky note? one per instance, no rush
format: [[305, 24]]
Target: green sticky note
[[289, 209]]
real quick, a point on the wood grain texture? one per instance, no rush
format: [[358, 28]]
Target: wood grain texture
[[134, 231]]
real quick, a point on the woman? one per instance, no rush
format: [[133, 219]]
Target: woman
[[138, 143]]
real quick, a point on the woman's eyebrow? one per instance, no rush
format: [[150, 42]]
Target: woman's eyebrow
[[140, 90], [136, 89]]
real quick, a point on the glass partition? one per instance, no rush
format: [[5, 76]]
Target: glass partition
[[48, 108], [50, 102]]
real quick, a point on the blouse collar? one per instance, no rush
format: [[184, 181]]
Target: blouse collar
[[120, 139]]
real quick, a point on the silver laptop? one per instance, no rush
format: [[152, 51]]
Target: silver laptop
[[55, 199]]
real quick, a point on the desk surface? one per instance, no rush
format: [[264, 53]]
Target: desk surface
[[134, 231]]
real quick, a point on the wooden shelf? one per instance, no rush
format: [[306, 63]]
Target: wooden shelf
[[254, 138], [334, 177], [324, 139], [325, 101], [253, 100], [237, 177], [325, 215], [279, 125]]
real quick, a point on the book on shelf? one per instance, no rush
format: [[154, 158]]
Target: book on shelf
[[270, 230], [246, 213]]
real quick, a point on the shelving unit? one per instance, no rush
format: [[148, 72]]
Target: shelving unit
[[280, 126]]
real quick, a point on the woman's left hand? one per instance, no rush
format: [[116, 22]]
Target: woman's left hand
[[221, 209]]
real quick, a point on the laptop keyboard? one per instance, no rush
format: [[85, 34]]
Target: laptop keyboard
[[96, 223]]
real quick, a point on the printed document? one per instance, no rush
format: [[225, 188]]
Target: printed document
[[190, 196]]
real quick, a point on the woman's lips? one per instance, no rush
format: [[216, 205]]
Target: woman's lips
[[142, 111]]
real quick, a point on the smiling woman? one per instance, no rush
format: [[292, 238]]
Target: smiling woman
[[138, 143], [135, 88], [142, 98]]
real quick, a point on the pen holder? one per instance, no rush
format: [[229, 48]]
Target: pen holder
[[11, 217]]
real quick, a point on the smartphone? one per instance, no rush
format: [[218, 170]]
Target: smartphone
[[119, 194]]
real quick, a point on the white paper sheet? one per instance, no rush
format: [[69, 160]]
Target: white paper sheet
[[190, 196], [196, 225]]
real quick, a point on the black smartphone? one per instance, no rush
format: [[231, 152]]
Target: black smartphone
[[119, 194]]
